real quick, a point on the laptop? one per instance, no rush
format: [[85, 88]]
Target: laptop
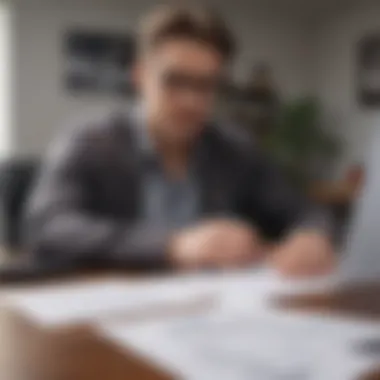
[[361, 256]]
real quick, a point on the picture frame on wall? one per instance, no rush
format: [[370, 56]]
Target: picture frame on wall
[[98, 62], [369, 70]]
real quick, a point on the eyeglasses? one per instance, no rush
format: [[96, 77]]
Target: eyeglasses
[[183, 82]]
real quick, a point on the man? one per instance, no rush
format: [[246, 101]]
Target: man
[[162, 186]]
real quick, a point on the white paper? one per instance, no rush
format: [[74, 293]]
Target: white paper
[[265, 346], [241, 338], [258, 289], [78, 302], [249, 289]]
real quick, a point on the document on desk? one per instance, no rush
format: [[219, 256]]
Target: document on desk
[[74, 303], [63, 304], [260, 345]]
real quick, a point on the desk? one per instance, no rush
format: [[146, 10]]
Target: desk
[[77, 353]]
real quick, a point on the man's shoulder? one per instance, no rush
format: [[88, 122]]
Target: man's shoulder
[[91, 134], [98, 124], [98, 129]]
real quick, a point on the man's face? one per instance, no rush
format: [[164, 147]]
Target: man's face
[[178, 82]]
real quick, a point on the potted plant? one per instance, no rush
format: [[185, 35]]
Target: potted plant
[[298, 143]]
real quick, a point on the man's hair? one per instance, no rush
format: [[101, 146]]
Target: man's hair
[[193, 23]]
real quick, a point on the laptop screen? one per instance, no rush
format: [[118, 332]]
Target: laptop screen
[[361, 260]]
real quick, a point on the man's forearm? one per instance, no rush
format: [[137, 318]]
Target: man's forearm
[[72, 237]]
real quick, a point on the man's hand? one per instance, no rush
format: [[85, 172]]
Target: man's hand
[[304, 254], [216, 244]]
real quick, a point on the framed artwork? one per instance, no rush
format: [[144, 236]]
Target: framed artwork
[[98, 62], [369, 70]]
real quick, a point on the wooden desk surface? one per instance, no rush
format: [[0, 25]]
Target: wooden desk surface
[[28, 352]]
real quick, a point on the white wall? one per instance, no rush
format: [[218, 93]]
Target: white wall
[[41, 104], [335, 68]]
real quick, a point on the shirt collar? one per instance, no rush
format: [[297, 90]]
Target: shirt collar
[[145, 143]]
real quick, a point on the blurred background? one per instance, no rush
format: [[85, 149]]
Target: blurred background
[[306, 85]]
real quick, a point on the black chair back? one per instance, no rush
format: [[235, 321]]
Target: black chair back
[[16, 179]]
